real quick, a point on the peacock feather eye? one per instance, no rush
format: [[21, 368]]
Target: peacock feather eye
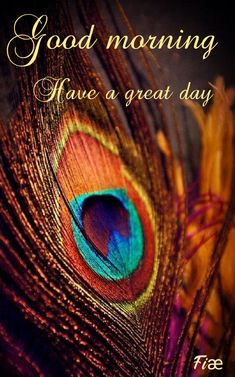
[[107, 224], [108, 233]]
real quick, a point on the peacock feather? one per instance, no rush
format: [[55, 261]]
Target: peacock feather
[[113, 262]]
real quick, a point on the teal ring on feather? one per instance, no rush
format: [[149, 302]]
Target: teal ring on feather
[[109, 236]]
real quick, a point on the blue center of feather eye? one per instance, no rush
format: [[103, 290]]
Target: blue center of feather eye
[[108, 232]]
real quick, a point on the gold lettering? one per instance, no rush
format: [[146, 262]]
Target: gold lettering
[[34, 41], [139, 41], [148, 94], [48, 88]]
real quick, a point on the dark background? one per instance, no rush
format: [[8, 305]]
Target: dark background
[[159, 17], [194, 17], [156, 17]]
